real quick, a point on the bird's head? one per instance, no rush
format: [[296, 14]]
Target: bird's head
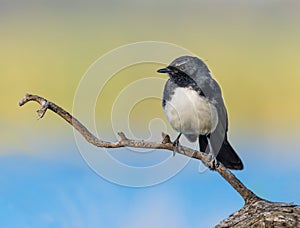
[[192, 66]]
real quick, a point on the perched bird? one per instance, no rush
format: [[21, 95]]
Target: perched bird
[[193, 104]]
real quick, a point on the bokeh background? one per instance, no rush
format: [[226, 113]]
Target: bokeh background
[[252, 48]]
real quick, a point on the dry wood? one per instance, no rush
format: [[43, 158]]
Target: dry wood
[[256, 212]]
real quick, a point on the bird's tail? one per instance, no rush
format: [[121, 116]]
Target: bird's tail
[[228, 157]]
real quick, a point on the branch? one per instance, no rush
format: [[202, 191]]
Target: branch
[[166, 144], [264, 214], [256, 212]]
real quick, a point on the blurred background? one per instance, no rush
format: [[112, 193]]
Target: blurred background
[[252, 49]]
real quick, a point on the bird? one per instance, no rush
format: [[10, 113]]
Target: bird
[[194, 106]]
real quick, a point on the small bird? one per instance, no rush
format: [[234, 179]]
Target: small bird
[[194, 106]]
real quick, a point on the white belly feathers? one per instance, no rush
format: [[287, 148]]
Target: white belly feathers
[[190, 113]]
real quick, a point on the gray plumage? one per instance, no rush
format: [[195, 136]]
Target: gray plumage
[[187, 75]]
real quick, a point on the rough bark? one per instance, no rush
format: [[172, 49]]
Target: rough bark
[[262, 213], [256, 212]]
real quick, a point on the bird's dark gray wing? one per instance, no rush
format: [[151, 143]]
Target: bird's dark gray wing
[[222, 149], [213, 92]]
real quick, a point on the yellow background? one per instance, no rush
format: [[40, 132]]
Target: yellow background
[[252, 49]]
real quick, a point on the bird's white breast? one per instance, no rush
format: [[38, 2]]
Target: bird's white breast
[[190, 113]]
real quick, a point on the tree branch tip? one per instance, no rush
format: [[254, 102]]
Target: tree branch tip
[[122, 136], [23, 100], [166, 138], [42, 110], [163, 134]]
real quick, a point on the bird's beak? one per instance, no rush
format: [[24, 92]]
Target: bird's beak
[[164, 70]]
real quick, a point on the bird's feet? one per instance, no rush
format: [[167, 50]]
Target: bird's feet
[[176, 144], [213, 163]]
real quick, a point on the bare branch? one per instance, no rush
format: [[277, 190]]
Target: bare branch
[[166, 144], [256, 212]]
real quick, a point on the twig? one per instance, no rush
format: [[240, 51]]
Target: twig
[[246, 194]]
